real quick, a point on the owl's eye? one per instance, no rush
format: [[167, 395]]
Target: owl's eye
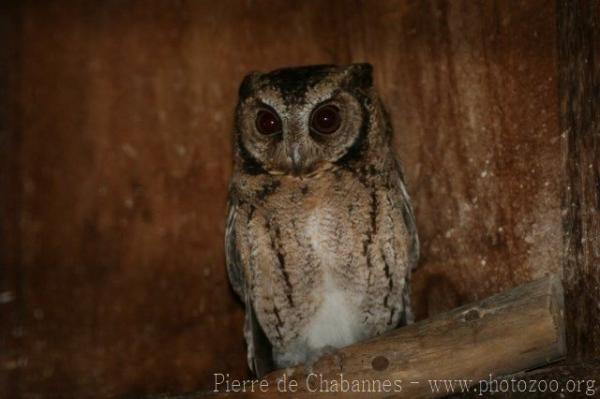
[[326, 119], [267, 122]]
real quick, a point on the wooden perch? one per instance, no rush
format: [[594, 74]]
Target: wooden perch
[[516, 330]]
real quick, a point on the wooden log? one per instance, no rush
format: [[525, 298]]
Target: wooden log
[[515, 330]]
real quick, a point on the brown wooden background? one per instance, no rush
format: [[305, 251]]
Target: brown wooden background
[[115, 156]]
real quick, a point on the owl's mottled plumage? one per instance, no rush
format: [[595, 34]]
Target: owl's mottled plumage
[[320, 236]]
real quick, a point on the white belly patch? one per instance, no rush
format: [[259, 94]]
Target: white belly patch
[[336, 321]]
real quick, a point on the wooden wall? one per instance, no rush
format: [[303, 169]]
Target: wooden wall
[[115, 155], [579, 91]]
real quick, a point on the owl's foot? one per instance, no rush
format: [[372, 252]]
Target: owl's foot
[[327, 353]]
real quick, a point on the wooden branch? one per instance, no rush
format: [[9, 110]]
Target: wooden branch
[[516, 330]]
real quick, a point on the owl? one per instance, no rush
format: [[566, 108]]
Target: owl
[[320, 237]]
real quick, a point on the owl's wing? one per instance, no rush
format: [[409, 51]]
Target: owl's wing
[[409, 218], [260, 355], [260, 358], [232, 255], [413, 251]]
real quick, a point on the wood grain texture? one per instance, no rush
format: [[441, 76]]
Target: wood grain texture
[[471, 87], [579, 61], [124, 140], [116, 155], [12, 354]]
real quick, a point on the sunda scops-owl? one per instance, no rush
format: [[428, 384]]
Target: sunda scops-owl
[[320, 237]]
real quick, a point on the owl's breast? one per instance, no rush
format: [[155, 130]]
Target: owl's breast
[[331, 235], [328, 227], [327, 261]]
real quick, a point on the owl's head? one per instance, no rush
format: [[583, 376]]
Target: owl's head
[[298, 121]]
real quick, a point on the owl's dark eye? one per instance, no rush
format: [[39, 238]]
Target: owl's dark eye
[[267, 122], [326, 119]]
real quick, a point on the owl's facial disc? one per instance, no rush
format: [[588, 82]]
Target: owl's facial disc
[[302, 138], [304, 120]]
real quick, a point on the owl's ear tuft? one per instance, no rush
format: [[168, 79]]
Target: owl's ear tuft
[[360, 75], [248, 85]]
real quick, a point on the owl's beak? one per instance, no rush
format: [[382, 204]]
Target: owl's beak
[[296, 158]]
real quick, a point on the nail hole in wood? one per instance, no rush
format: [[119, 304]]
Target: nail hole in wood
[[380, 363]]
